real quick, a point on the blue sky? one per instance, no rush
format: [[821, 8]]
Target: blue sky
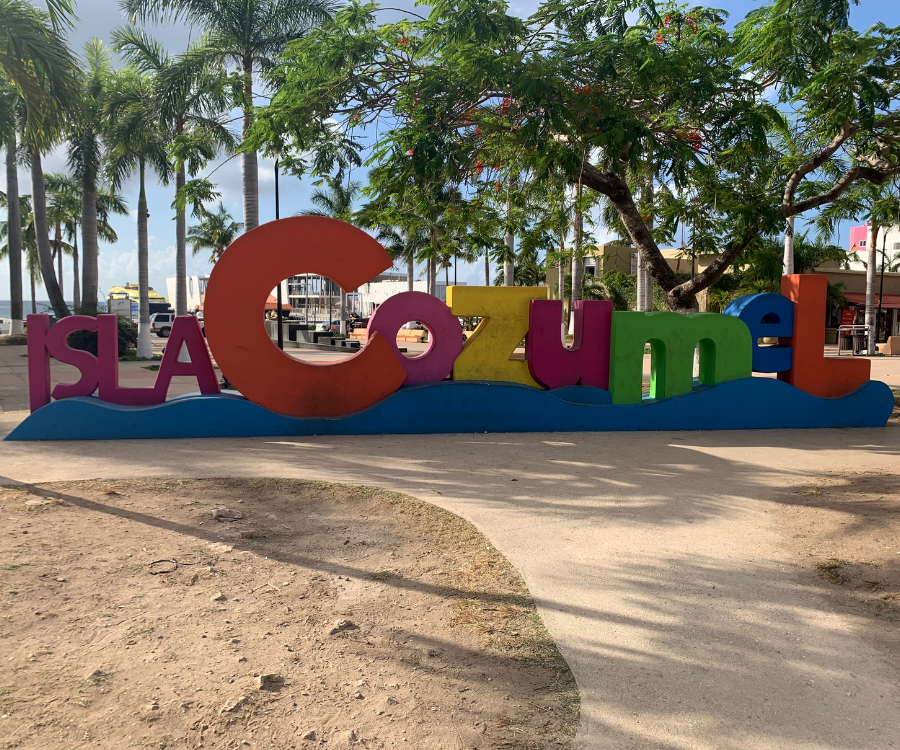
[[118, 262]]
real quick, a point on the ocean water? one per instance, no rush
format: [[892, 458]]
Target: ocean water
[[42, 307]]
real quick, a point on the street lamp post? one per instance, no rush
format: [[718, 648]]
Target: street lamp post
[[280, 335]]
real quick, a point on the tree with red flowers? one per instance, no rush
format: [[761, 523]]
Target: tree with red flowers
[[673, 119]]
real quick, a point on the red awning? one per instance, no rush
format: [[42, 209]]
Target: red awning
[[891, 301], [272, 304]]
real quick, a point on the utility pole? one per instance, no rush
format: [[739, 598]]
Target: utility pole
[[280, 334]]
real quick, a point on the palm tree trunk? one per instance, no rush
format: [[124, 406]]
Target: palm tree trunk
[[410, 272], [90, 247], [509, 268], [33, 302], [180, 252], [249, 166], [14, 239], [577, 257], [871, 262], [789, 247], [144, 350], [42, 235], [343, 313], [562, 285], [487, 267], [76, 286], [57, 239]]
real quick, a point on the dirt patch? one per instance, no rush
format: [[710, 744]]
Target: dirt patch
[[16, 340], [295, 615], [845, 534]]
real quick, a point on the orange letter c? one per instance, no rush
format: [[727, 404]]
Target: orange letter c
[[238, 288]]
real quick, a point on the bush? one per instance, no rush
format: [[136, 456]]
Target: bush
[[87, 340]]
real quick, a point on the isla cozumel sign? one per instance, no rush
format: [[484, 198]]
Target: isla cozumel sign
[[453, 387]]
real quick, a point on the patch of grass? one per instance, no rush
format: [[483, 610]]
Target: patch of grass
[[152, 368], [834, 570], [132, 356], [385, 575], [873, 585], [144, 630], [97, 678]]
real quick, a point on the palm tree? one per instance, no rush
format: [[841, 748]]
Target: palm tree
[[189, 95], [249, 34], [215, 232], [34, 58], [87, 131], [64, 210], [27, 237], [10, 117], [881, 205], [137, 140], [337, 203]]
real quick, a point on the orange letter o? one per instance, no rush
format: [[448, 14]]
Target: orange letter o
[[241, 282]]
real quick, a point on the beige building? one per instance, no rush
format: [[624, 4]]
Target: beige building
[[623, 258]]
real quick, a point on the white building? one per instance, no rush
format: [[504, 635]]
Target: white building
[[370, 296], [316, 298], [196, 288]]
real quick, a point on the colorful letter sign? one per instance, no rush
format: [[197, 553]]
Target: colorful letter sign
[[597, 383]]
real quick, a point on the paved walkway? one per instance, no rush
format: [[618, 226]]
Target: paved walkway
[[654, 558]]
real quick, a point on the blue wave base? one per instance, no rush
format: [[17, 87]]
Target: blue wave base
[[470, 406]]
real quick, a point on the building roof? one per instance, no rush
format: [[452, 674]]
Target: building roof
[[891, 301]]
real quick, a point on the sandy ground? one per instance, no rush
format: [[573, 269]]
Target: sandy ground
[[305, 615], [844, 533]]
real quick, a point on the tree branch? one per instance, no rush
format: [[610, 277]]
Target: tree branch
[[812, 164], [873, 175], [616, 189]]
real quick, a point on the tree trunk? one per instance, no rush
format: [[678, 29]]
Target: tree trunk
[[14, 239], [33, 302], [76, 285], [180, 252], [410, 273], [90, 249], [577, 257], [57, 239], [680, 296], [42, 235], [509, 266], [789, 246], [561, 283], [871, 262], [487, 267], [249, 166], [144, 349], [343, 312], [644, 279]]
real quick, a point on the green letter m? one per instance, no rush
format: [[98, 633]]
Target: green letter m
[[725, 352]]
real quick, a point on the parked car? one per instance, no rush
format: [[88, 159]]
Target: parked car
[[161, 324]]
